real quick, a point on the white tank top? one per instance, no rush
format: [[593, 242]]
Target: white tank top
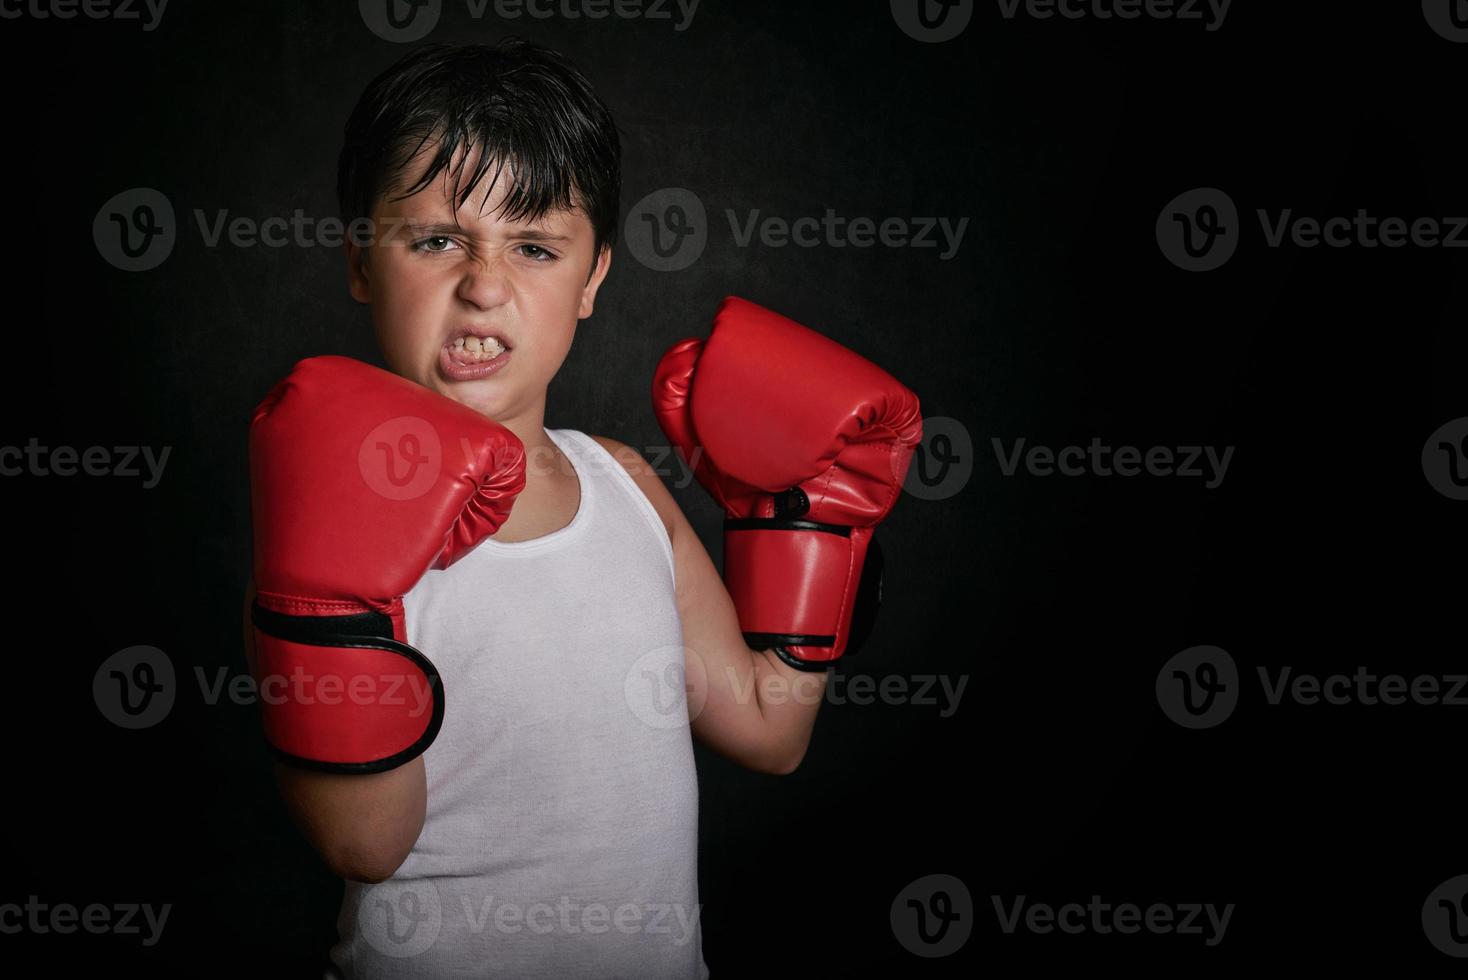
[[561, 837]]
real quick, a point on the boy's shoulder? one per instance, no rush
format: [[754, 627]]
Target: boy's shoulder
[[646, 478]]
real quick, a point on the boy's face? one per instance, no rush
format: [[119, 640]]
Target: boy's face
[[435, 276]]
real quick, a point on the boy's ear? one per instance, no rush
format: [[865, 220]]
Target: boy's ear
[[358, 283], [598, 273]]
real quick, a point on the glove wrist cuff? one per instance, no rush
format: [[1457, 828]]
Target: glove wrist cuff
[[340, 694], [788, 578]]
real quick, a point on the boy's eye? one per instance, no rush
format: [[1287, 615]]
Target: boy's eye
[[539, 254], [423, 244]]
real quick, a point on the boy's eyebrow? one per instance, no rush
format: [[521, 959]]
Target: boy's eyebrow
[[522, 231]]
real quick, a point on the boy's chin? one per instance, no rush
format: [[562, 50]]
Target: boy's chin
[[485, 397]]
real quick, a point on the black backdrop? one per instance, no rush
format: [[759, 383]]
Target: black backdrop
[[1056, 600]]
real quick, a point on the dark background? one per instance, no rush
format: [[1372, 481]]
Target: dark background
[[1059, 320]]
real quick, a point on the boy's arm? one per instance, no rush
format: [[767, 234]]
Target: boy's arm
[[363, 826], [342, 693], [747, 705]]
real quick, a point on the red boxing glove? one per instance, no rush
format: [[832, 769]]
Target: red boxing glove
[[360, 481], [805, 444]]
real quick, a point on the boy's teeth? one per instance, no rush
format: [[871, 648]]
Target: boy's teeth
[[473, 345]]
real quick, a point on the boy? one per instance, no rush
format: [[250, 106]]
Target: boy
[[551, 830]]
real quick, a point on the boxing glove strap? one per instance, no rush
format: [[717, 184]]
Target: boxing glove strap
[[329, 631], [783, 524], [343, 735], [809, 666]]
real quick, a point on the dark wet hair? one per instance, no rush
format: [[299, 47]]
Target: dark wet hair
[[517, 102]]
